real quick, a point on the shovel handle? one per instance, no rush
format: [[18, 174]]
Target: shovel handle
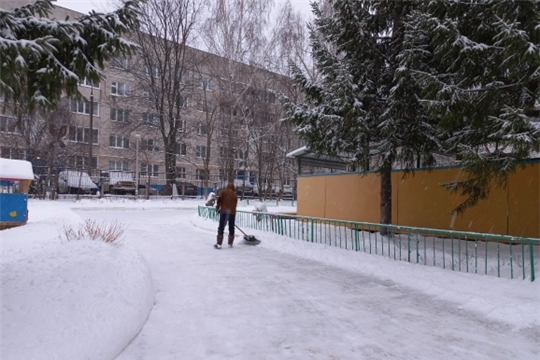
[[236, 226]]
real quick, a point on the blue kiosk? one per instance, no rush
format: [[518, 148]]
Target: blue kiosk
[[15, 179]]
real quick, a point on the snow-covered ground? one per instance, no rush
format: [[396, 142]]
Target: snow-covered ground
[[165, 293]]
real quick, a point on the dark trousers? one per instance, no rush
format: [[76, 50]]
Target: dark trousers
[[225, 217]]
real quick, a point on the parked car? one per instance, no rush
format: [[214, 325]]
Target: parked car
[[118, 182], [287, 191], [264, 190], [189, 189], [246, 186], [238, 186], [151, 190], [75, 182]]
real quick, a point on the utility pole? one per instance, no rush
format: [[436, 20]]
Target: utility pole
[[90, 136], [137, 139]]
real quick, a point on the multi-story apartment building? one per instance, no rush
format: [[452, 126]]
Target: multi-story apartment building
[[221, 120]]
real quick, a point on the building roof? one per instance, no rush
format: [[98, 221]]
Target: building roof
[[307, 157]]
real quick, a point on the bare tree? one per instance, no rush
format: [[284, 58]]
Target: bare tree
[[291, 47], [162, 70], [236, 31], [290, 31], [41, 136]]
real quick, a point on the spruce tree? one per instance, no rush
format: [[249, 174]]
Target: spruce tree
[[365, 104], [43, 59], [479, 63]]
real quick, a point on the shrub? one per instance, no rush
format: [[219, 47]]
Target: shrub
[[109, 233]]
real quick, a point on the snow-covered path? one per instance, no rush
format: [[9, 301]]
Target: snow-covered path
[[254, 302]]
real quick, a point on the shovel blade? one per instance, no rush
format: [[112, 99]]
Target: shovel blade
[[250, 239]]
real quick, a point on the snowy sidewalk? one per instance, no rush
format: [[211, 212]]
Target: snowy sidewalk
[[255, 302]]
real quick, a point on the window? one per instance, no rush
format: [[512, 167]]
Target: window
[[120, 62], [82, 134], [118, 141], [206, 84], [119, 165], [150, 119], [181, 126], [267, 96], [181, 172], [152, 70], [223, 130], [83, 107], [202, 129], [223, 152], [201, 174], [86, 82], [267, 117], [81, 162], [9, 153], [200, 151], [271, 97], [149, 145], [119, 115], [181, 149], [239, 88], [149, 169], [223, 85], [9, 125], [182, 101], [148, 95], [120, 89], [185, 78], [207, 106]]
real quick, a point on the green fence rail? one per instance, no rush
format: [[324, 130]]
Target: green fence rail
[[495, 255]]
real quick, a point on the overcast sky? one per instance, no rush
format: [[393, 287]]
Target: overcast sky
[[85, 6]]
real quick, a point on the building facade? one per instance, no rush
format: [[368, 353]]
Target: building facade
[[215, 119]]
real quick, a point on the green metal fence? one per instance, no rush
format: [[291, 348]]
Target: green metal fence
[[496, 255]]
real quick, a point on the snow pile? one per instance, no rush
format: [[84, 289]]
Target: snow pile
[[91, 295]]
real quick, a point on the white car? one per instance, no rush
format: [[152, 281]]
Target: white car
[[273, 191], [75, 182], [240, 185]]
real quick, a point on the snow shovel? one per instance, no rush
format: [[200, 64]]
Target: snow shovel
[[249, 239]]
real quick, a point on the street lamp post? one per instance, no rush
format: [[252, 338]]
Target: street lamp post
[[137, 139], [91, 130]]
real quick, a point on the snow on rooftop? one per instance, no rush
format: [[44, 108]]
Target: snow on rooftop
[[299, 151], [16, 169]]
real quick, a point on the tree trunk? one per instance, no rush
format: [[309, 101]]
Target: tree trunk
[[170, 165], [386, 197]]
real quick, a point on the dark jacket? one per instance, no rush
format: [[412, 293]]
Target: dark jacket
[[227, 200]]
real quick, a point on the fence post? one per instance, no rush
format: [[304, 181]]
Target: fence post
[[311, 230], [356, 236], [409, 245], [531, 254]]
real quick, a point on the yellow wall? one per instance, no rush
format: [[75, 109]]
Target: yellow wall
[[349, 197], [311, 196], [419, 200], [523, 198], [423, 202]]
